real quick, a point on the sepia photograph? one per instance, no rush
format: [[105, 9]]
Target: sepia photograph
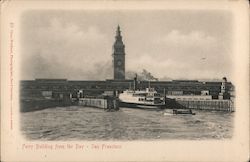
[[126, 75], [110, 76]]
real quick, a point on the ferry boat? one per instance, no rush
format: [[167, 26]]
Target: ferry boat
[[146, 99]]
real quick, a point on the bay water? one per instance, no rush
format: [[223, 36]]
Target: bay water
[[85, 123]]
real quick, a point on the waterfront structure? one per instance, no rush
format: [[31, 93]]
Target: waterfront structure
[[190, 97], [191, 94], [118, 56], [205, 101], [186, 92], [54, 87], [224, 93], [108, 103]]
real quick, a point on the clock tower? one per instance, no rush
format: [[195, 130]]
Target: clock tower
[[119, 56]]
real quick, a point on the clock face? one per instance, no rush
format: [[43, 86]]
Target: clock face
[[119, 63]]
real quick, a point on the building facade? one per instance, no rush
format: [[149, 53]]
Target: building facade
[[54, 87]]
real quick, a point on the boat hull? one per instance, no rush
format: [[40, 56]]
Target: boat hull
[[141, 106]]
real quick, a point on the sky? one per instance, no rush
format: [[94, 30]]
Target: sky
[[170, 44]]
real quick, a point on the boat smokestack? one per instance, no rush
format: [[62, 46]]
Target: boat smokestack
[[135, 82], [165, 97]]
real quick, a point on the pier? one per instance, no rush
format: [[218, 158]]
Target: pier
[[106, 103], [214, 105]]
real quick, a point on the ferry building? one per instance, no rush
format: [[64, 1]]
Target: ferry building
[[54, 88]]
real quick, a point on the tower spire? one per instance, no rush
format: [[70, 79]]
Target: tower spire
[[118, 31]]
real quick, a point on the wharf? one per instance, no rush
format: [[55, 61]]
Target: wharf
[[214, 105], [106, 103]]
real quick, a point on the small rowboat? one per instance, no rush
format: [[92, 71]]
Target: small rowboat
[[183, 112]]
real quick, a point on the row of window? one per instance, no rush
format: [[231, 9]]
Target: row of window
[[187, 99]]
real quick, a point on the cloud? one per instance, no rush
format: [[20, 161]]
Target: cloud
[[67, 51], [193, 38], [78, 45], [170, 68], [189, 55]]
